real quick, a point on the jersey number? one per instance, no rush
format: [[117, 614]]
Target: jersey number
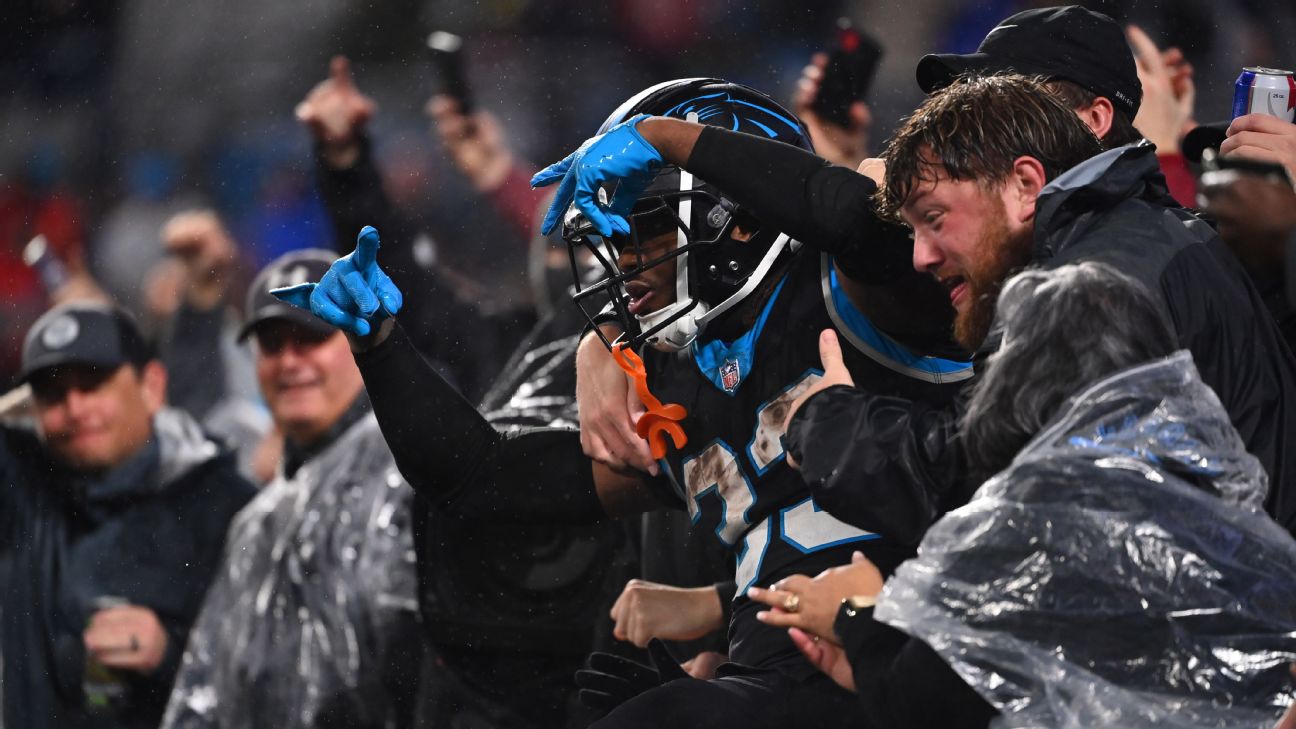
[[715, 471]]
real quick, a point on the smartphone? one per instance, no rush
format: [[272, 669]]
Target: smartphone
[[447, 54], [1218, 170], [853, 57]]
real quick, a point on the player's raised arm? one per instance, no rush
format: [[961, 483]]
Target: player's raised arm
[[443, 447]]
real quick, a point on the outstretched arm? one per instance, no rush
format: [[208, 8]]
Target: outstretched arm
[[787, 188], [445, 449]]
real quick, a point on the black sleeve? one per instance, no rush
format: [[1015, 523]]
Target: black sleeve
[[828, 207], [454, 459], [191, 351], [885, 464], [902, 682]]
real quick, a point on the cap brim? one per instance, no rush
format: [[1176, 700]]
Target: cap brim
[[57, 359], [291, 313], [938, 70]]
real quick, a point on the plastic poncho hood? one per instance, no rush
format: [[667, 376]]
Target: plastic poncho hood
[[1119, 573]]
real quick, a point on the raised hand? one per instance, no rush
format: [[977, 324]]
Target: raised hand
[[1166, 113], [336, 112], [354, 294], [845, 146], [835, 373], [1262, 137], [621, 155]]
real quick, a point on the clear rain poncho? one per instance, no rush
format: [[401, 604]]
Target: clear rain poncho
[[1119, 573], [315, 605]]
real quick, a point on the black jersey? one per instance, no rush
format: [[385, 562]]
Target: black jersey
[[732, 474]]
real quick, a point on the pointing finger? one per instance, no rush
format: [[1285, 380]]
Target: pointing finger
[[366, 251], [340, 70], [298, 295]]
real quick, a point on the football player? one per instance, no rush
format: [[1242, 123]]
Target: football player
[[727, 313]]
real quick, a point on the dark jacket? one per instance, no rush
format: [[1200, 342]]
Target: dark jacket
[[894, 467], [149, 532]]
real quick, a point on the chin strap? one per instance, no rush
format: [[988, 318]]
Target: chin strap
[[660, 421]]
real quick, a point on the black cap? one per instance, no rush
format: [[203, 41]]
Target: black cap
[[1068, 43], [307, 265], [84, 333]]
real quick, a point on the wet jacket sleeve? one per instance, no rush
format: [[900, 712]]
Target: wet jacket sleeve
[[885, 464], [455, 459], [822, 205], [902, 682]]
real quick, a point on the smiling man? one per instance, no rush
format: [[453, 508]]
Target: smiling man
[[326, 544], [112, 517]]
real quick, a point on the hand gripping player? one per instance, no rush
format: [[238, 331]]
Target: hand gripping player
[[731, 311]]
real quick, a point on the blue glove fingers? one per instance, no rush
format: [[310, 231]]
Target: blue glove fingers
[[550, 174], [326, 308], [366, 250], [298, 295], [586, 199], [362, 298], [558, 207], [389, 296]]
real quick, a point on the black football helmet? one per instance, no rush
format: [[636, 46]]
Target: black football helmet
[[713, 272]]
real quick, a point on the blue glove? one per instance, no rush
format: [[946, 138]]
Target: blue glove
[[618, 155], [354, 294]]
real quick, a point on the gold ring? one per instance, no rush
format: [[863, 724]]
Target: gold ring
[[791, 603]]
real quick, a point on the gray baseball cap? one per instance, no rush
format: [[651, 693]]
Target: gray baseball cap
[[87, 333], [297, 267]]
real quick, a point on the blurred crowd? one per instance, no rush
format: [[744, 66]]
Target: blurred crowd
[[230, 508]]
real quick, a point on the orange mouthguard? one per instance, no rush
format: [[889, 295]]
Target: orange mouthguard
[[661, 420]]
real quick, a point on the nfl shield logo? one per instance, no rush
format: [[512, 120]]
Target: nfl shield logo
[[729, 375]]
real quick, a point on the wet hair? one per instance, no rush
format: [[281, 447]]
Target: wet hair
[[1063, 329], [1122, 131], [976, 129]]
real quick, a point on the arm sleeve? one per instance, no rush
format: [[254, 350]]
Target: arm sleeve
[[903, 682], [455, 459], [194, 362], [828, 207], [885, 464]]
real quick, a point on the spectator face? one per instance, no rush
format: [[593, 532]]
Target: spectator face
[[94, 419], [308, 378], [969, 238]]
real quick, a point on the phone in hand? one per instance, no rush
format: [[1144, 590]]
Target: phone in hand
[[447, 54], [1220, 170], [853, 58]]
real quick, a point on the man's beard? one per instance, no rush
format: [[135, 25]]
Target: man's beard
[[997, 255]]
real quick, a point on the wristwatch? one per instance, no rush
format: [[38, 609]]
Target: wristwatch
[[853, 608], [856, 603]]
